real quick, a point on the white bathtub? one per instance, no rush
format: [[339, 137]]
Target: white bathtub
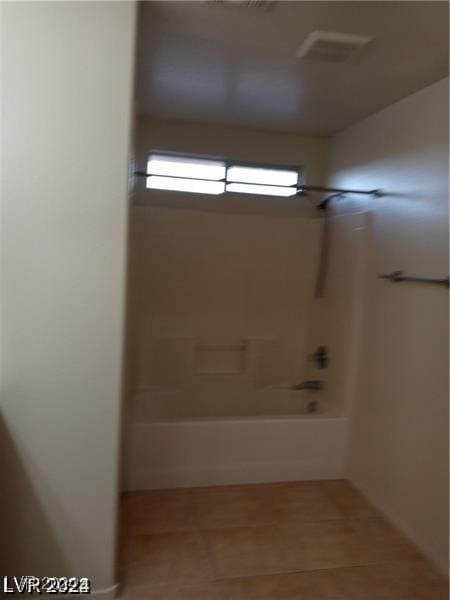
[[199, 452]]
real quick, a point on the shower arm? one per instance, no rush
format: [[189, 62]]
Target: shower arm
[[337, 191]]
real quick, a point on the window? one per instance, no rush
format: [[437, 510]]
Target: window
[[208, 176]]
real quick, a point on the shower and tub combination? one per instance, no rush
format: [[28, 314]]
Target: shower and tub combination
[[238, 371]]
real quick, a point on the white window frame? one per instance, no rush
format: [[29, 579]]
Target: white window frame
[[228, 184]]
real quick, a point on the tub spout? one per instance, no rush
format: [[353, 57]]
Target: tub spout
[[311, 384]]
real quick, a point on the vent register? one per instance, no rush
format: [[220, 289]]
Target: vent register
[[322, 46], [330, 46]]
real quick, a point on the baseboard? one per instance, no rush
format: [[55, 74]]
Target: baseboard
[[232, 475]]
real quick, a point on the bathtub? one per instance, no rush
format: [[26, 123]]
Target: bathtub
[[202, 452]]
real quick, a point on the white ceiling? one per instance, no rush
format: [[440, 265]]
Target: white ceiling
[[229, 64]]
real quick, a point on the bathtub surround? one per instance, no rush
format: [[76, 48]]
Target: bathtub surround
[[197, 283], [336, 314], [398, 453], [221, 311], [238, 272], [209, 274]]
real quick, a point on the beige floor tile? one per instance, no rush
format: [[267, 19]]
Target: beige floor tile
[[299, 502], [257, 505], [378, 541], [350, 502], [412, 580], [204, 591], [322, 545], [436, 592], [314, 585], [223, 507], [243, 551], [329, 544], [157, 511], [165, 558], [239, 506], [259, 535]]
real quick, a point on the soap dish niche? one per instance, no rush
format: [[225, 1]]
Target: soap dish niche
[[220, 359]]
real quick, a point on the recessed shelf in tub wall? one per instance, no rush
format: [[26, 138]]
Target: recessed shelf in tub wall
[[175, 363], [220, 359]]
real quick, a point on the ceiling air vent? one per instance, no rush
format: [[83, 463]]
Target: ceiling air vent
[[330, 46]]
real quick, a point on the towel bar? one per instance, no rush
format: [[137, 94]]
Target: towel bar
[[398, 276]]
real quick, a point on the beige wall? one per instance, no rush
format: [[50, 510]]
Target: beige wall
[[399, 443], [221, 312], [66, 87], [233, 143]]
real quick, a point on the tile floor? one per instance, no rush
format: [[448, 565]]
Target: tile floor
[[281, 541]]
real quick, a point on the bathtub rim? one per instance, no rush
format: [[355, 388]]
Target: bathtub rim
[[244, 419]]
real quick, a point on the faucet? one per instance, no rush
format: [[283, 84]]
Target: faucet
[[311, 384]]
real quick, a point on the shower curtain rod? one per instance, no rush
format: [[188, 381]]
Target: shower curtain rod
[[300, 190], [337, 191]]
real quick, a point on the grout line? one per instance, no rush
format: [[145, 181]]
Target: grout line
[[295, 523], [315, 570], [213, 562], [215, 580], [228, 486], [211, 557]]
